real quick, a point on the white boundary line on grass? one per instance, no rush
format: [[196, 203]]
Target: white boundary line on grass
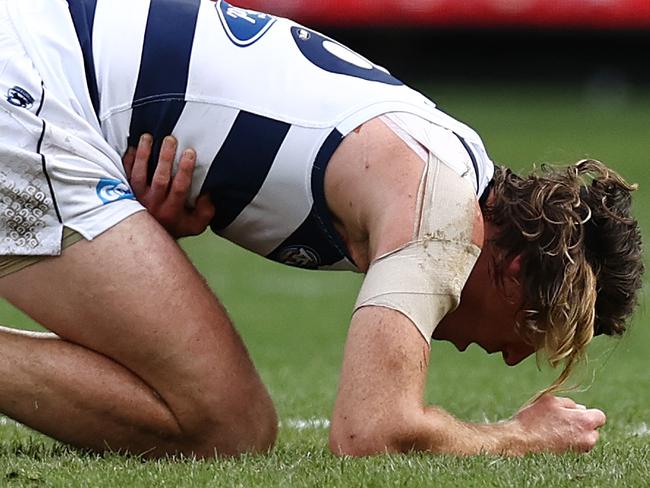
[[306, 424], [296, 424], [639, 430]]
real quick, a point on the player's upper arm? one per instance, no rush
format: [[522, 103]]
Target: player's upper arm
[[380, 397]]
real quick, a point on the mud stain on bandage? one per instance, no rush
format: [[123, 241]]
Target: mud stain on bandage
[[461, 236]]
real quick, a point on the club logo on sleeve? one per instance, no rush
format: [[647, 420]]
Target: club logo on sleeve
[[110, 190], [300, 256], [19, 97], [243, 26]]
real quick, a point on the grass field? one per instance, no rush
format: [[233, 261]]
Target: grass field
[[294, 323]]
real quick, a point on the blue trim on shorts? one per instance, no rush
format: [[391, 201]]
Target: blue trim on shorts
[[47, 176], [40, 106], [83, 16], [159, 97]]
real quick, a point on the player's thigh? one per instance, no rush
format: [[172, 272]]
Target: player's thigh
[[132, 295]]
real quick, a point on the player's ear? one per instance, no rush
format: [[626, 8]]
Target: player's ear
[[513, 268]]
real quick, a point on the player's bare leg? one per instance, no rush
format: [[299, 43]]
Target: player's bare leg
[[146, 360]]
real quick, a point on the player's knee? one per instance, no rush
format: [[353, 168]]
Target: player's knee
[[249, 428], [254, 428]]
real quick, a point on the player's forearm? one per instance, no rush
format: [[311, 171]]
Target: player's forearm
[[441, 433], [431, 430], [550, 424]]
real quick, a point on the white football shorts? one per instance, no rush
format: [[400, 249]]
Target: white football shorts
[[56, 170]]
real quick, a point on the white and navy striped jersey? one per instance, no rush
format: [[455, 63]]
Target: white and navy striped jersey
[[263, 100]]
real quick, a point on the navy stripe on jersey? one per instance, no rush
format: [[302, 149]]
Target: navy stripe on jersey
[[83, 17], [157, 119], [242, 164], [323, 213], [315, 243], [159, 96]]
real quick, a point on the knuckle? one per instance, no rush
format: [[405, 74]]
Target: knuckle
[[178, 190], [186, 164], [597, 421], [205, 210], [584, 422], [550, 400], [184, 173], [588, 442], [159, 181], [143, 150]]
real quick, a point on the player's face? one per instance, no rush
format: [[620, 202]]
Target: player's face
[[487, 316], [498, 333]]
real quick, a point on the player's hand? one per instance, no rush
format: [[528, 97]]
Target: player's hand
[[166, 197], [557, 424]]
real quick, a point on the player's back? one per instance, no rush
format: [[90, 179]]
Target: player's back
[[257, 96], [264, 101]]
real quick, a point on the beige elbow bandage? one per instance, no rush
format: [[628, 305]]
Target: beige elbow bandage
[[423, 279]]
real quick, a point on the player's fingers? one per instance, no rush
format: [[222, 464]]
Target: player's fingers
[[587, 441], [163, 173], [597, 418], [201, 216], [204, 209], [182, 181], [127, 161], [140, 164]]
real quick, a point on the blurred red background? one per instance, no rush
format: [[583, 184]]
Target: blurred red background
[[598, 14], [502, 41]]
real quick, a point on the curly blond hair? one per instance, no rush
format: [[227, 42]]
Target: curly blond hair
[[580, 251]]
